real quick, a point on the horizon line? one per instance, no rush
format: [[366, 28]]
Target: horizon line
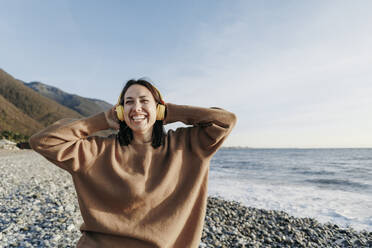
[[250, 147]]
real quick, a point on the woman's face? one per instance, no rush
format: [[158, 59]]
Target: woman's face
[[139, 109]]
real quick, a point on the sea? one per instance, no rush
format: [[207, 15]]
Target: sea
[[330, 185]]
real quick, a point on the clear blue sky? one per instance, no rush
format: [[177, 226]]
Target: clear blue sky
[[296, 73]]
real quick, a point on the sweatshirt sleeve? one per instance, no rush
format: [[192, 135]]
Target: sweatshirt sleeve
[[66, 142], [210, 128]]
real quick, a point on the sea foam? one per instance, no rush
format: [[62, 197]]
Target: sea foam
[[347, 209]]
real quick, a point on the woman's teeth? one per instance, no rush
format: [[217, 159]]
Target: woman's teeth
[[138, 118]]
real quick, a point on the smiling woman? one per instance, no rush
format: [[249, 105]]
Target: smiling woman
[[142, 187], [141, 110]]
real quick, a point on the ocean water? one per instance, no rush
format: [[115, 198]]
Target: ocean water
[[331, 185]]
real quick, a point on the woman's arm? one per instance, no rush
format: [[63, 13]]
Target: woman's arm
[[211, 125], [66, 142]]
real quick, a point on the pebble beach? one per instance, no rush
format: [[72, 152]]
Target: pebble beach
[[39, 208]]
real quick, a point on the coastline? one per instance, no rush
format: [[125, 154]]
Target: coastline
[[39, 208], [231, 224]]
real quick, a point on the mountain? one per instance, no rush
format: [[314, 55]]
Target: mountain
[[40, 108], [82, 105], [24, 110]]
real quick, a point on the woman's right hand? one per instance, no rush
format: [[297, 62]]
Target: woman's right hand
[[112, 118]]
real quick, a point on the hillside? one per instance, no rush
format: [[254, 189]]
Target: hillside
[[82, 105], [41, 109], [13, 119]]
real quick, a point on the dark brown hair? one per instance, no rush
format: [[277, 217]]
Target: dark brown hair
[[125, 135]]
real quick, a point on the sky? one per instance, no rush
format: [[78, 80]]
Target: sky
[[298, 74]]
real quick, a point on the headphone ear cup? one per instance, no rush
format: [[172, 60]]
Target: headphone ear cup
[[120, 112], [160, 112]]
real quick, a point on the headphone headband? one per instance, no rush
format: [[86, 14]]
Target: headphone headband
[[160, 96]]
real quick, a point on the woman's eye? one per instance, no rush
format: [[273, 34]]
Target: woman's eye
[[145, 101], [127, 102]]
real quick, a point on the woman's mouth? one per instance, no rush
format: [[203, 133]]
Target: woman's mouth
[[138, 118]]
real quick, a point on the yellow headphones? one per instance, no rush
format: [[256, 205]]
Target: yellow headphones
[[160, 108]]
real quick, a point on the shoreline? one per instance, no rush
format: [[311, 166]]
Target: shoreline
[[232, 224], [39, 208]]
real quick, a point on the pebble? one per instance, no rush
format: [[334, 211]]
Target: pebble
[[71, 227], [40, 209]]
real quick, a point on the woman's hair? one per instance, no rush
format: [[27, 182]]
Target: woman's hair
[[125, 135]]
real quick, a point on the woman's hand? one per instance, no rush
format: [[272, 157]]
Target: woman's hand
[[112, 118]]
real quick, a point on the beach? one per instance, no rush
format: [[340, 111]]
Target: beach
[[39, 209]]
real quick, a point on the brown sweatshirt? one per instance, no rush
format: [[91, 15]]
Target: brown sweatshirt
[[138, 196]]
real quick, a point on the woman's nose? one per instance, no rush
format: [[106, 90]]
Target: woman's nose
[[137, 106]]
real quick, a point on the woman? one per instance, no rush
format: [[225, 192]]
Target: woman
[[142, 187]]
